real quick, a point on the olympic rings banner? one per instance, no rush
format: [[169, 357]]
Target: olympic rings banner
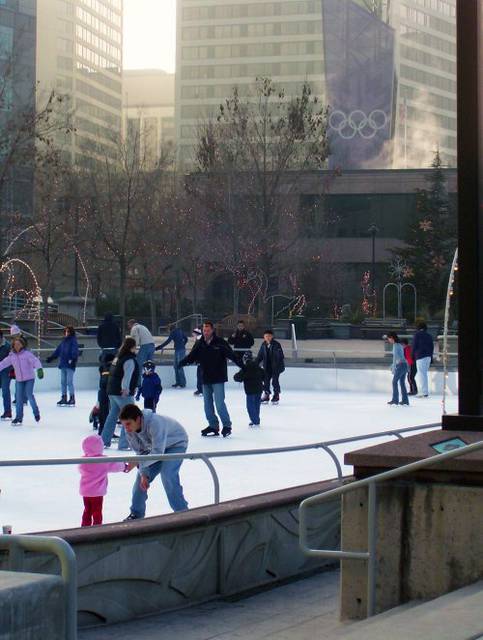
[[360, 78]]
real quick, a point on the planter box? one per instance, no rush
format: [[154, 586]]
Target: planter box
[[340, 330]]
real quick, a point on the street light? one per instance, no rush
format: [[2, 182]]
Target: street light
[[373, 230]]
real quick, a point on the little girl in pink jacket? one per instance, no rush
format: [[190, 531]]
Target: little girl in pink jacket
[[93, 481]]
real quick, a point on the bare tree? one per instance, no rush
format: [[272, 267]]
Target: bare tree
[[248, 163]]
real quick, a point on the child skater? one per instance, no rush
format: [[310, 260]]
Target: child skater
[[93, 480], [24, 364], [252, 377], [102, 397], [151, 387]]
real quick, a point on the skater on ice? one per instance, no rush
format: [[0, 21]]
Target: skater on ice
[[212, 353], [272, 359], [196, 335], [399, 370], [108, 336], [24, 363], [67, 353], [179, 340], [149, 434], [101, 408], [5, 379], [423, 350], [151, 387], [121, 388], [144, 342], [252, 377], [93, 480], [241, 339]]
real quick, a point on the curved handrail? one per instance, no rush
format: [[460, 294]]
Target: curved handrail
[[206, 456], [370, 554]]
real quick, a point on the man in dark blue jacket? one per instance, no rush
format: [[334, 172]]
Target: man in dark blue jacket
[[212, 352], [5, 379], [179, 340], [108, 335], [423, 349], [273, 361]]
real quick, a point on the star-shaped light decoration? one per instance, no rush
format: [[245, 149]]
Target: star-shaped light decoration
[[438, 262], [426, 225]]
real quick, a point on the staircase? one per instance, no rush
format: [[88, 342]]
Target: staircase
[[455, 616]]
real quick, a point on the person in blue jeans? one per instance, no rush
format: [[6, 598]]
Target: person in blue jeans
[[252, 377], [145, 343], [399, 370], [5, 379], [150, 434], [68, 353], [423, 349], [121, 389], [212, 353], [179, 340]]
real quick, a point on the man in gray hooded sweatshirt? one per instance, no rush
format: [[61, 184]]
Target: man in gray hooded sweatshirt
[[149, 433]]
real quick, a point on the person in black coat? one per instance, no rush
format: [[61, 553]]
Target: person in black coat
[[241, 339], [273, 361], [252, 377], [108, 335], [212, 353]]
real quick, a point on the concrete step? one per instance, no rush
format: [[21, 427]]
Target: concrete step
[[455, 616]]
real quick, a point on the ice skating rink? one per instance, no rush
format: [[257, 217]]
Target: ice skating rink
[[46, 498]]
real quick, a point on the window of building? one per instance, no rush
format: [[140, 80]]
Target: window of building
[[6, 42]]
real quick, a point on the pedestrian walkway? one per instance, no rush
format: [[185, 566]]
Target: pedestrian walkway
[[302, 610]]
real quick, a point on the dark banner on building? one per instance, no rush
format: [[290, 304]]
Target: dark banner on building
[[359, 69]]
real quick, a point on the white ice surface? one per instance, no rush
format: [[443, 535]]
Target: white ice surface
[[46, 498]]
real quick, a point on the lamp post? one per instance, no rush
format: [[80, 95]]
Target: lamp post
[[373, 230]]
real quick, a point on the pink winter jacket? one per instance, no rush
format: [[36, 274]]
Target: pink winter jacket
[[24, 363], [93, 481]]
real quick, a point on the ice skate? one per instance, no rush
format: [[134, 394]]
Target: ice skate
[[265, 398], [17, 422], [393, 402], [6, 415], [210, 431], [37, 417], [226, 431], [276, 398], [71, 402], [62, 402]]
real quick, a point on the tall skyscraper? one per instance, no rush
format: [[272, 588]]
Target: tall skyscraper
[[79, 53], [222, 44], [227, 43], [426, 72], [149, 110], [17, 104]]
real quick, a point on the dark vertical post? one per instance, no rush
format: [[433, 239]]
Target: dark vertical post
[[373, 231], [470, 217]]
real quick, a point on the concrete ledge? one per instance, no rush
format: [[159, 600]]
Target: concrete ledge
[[32, 606], [127, 570]]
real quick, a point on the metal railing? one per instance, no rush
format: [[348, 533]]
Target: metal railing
[[17, 544], [370, 554], [206, 457]]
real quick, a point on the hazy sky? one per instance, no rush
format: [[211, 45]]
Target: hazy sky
[[150, 34]]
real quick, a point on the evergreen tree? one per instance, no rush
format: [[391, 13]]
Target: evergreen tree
[[431, 240]]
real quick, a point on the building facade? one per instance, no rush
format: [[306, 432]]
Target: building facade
[[79, 54], [17, 103], [149, 111], [222, 44], [426, 71], [227, 43]]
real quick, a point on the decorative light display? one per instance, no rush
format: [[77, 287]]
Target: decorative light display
[[16, 287], [449, 295]]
